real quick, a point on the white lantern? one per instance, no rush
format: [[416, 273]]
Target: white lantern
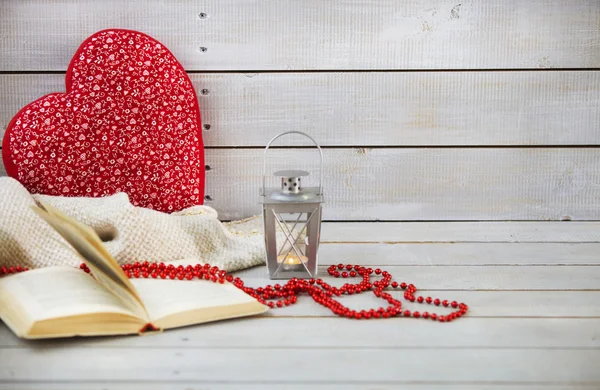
[[292, 221]]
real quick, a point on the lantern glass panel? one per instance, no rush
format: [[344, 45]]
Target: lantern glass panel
[[292, 239]]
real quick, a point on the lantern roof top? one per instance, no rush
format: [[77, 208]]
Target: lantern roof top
[[291, 173], [307, 195]]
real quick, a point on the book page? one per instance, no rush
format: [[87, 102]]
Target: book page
[[93, 253], [55, 292], [165, 298]]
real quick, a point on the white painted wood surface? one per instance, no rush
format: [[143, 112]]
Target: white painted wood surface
[[195, 385], [529, 326], [308, 35], [466, 232], [444, 254], [202, 385], [274, 332], [422, 184], [378, 108], [483, 304], [362, 365], [489, 277], [408, 146]]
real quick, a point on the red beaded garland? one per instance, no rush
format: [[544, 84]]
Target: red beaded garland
[[287, 294]]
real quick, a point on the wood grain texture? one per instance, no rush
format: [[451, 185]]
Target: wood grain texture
[[271, 332], [421, 184], [287, 35], [466, 232], [201, 385], [194, 385], [235, 367], [489, 303], [491, 277], [459, 254], [389, 109]]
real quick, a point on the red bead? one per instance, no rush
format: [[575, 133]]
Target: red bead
[[321, 292]]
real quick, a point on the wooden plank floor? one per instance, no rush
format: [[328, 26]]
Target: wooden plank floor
[[533, 290]]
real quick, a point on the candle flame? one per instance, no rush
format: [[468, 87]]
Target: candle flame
[[292, 259]]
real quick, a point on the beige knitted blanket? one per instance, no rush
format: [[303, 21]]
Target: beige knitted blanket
[[130, 233]]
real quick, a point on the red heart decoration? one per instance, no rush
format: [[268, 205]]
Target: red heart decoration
[[129, 122]]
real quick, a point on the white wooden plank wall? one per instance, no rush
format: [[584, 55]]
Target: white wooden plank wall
[[311, 35], [379, 108], [424, 184], [358, 76], [453, 116]]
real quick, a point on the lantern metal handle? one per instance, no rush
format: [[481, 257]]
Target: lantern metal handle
[[285, 133]]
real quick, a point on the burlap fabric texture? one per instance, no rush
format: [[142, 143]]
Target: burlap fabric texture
[[130, 233]]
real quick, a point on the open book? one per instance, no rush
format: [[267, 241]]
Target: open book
[[65, 301]]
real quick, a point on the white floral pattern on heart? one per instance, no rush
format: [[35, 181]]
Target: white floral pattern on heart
[[127, 98]]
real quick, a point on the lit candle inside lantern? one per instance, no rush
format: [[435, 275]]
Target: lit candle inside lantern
[[292, 262]]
